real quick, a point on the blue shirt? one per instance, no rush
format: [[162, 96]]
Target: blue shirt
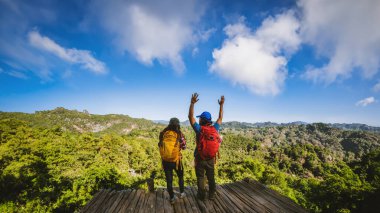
[[197, 129]]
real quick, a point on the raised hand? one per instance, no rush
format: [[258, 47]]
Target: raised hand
[[221, 101], [194, 98]]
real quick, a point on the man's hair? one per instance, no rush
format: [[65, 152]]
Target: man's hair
[[204, 122]]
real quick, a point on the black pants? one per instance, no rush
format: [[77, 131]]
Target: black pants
[[208, 166], [168, 168]]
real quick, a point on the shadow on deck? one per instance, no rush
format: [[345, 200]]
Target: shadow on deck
[[242, 196]]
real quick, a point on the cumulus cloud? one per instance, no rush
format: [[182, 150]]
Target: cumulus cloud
[[71, 55], [257, 59], [346, 33], [366, 101], [152, 31], [19, 53]]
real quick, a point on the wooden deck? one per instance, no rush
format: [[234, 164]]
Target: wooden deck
[[242, 196]]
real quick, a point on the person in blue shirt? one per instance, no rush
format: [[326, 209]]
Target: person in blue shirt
[[204, 166]]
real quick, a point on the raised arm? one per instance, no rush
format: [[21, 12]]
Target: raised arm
[[221, 103], [194, 99]]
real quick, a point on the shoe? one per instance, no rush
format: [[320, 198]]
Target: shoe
[[211, 196], [182, 195], [200, 197], [173, 199]]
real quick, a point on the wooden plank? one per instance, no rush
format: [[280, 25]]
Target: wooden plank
[[159, 201], [270, 198], [235, 199], [202, 207], [218, 204], [242, 196], [115, 204], [127, 201], [192, 200], [259, 203], [250, 206], [91, 202], [187, 203], [285, 201], [134, 200], [209, 206], [123, 201], [119, 196], [141, 202], [92, 208], [99, 201], [256, 206], [150, 202], [214, 204], [106, 203], [167, 205], [179, 206], [226, 203], [237, 206]]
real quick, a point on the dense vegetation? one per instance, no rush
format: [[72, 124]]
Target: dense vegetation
[[56, 160]]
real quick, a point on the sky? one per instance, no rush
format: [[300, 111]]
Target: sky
[[279, 60]]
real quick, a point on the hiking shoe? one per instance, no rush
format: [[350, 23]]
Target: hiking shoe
[[173, 199], [211, 196], [200, 197], [182, 195]]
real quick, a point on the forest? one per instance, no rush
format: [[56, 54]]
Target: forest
[[56, 160]]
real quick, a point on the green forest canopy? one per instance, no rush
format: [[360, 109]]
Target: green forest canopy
[[57, 160]]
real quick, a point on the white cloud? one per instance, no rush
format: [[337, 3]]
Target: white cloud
[[366, 101], [152, 31], [17, 74], [71, 55], [205, 35], [257, 60], [14, 73], [376, 88], [346, 32]]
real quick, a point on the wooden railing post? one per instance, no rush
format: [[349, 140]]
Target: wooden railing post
[[150, 181]]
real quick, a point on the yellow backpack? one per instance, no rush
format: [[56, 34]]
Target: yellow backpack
[[170, 149]]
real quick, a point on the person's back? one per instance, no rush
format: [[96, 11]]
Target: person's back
[[207, 145], [171, 143]]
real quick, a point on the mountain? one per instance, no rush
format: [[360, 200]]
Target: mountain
[[76, 121], [56, 160], [245, 125], [345, 126]]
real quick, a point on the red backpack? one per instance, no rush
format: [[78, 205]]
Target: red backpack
[[209, 141]]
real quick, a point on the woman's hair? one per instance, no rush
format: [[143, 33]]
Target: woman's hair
[[174, 125]]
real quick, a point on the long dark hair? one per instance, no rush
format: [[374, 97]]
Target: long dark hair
[[175, 126]]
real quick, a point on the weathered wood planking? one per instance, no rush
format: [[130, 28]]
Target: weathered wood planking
[[241, 196]]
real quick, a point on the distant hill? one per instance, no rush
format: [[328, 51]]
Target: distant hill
[[345, 126], [245, 125], [76, 121]]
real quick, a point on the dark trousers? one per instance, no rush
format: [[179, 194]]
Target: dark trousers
[[208, 166], [168, 168]]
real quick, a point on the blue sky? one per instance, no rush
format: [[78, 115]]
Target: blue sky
[[281, 61]]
